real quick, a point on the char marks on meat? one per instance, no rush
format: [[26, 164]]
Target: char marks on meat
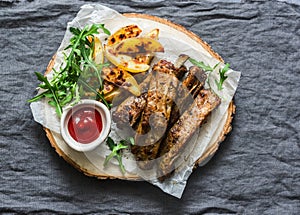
[[167, 113], [156, 115], [184, 128], [187, 91], [129, 111]]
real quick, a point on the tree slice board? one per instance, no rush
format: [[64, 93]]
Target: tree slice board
[[83, 164]]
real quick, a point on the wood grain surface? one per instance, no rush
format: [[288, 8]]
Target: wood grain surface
[[205, 156]]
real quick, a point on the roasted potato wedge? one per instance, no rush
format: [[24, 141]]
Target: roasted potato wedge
[[124, 33], [138, 52], [108, 87], [125, 62], [139, 45], [121, 78], [98, 52], [144, 59], [109, 91], [147, 58], [111, 95], [153, 34]]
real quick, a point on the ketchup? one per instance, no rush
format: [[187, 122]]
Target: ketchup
[[85, 125]]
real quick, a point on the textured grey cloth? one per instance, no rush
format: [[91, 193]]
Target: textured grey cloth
[[255, 171]]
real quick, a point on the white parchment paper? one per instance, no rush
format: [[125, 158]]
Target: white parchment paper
[[175, 42]]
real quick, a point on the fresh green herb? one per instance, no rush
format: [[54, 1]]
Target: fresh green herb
[[98, 94], [50, 93], [116, 150], [206, 68], [223, 77], [209, 69], [63, 88], [202, 65]]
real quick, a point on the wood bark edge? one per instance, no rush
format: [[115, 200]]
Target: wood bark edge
[[209, 152]]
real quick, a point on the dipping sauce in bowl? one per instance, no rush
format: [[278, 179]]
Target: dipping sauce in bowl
[[85, 125]]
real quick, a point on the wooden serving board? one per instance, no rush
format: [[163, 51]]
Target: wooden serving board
[[80, 161]]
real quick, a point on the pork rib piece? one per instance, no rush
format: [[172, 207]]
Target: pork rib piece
[[155, 117], [188, 90], [129, 111], [184, 128]]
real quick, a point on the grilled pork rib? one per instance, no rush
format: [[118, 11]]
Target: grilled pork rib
[[188, 90], [156, 115], [184, 128], [130, 110]]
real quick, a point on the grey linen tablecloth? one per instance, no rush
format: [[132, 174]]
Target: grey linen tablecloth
[[256, 169]]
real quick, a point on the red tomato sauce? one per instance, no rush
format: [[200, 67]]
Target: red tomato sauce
[[85, 125]]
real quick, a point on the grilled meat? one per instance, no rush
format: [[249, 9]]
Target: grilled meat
[[180, 72], [136, 109], [181, 60], [161, 131], [130, 110], [156, 115], [184, 128], [188, 90]]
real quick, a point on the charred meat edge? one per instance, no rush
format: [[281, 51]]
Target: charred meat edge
[[131, 108], [161, 94], [195, 80], [184, 128], [122, 114], [188, 90]]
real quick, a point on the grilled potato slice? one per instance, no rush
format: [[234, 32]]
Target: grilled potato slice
[[135, 62], [111, 95], [125, 62], [138, 45], [124, 33], [98, 52], [146, 59], [121, 78], [153, 34], [109, 91], [108, 87]]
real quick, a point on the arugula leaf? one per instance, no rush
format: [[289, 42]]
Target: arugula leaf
[[74, 31], [208, 68], [111, 143], [131, 139], [201, 64], [63, 87], [38, 97], [105, 30], [116, 151], [50, 88], [223, 77]]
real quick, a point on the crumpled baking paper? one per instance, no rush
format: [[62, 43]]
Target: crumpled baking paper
[[175, 43]]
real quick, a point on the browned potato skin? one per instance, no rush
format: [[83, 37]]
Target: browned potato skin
[[108, 87], [111, 95], [121, 78], [138, 45], [153, 34], [146, 59], [124, 33]]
